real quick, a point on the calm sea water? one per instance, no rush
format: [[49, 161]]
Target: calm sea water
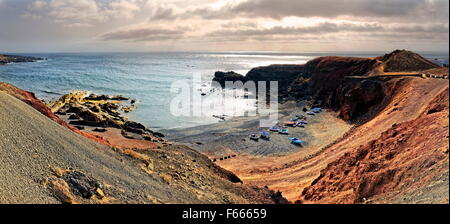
[[146, 77]]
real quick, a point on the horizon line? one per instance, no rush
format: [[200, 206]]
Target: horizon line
[[218, 52]]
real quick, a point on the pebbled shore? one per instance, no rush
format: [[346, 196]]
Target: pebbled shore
[[102, 115]]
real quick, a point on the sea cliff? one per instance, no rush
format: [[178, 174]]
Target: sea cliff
[[391, 112]]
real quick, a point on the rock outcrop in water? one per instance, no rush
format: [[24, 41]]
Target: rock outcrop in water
[[223, 77], [6, 59], [102, 111], [284, 74]]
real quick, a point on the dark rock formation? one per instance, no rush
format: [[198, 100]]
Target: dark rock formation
[[96, 97], [324, 81], [357, 97], [101, 111], [283, 74], [82, 185], [119, 98], [278, 198], [222, 77], [5, 59], [100, 130]]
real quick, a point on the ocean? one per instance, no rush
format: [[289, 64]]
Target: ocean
[[146, 77]]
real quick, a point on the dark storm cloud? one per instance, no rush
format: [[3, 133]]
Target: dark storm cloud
[[277, 32], [145, 34], [318, 29], [326, 8]]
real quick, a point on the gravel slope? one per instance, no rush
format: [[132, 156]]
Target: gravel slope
[[31, 144]]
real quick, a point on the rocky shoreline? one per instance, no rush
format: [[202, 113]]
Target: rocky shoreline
[[398, 104], [100, 112], [368, 164], [59, 165], [325, 80], [7, 59]]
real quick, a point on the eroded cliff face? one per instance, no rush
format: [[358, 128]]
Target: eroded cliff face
[[406, 157], [284, 74], [409, 160], [327, 80], [324, 82], [398, 152]]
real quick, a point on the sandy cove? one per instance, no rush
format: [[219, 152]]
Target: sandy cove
[[381, 139], [367, 162]]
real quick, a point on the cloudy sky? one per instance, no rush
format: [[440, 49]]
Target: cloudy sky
[[223, 25]]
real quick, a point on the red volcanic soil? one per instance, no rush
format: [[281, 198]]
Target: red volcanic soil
[[416, 154], [406, 156], [398, 152], [30, 99], [331, 81]]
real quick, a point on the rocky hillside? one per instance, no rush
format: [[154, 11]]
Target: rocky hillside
[[405, 61], [397, 151], [407, 163], [401, 159], [325, 80], [44, 161]]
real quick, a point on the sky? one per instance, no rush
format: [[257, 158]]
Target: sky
[[223, 25]]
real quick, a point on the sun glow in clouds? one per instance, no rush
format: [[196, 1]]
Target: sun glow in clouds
[[223, 25]]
